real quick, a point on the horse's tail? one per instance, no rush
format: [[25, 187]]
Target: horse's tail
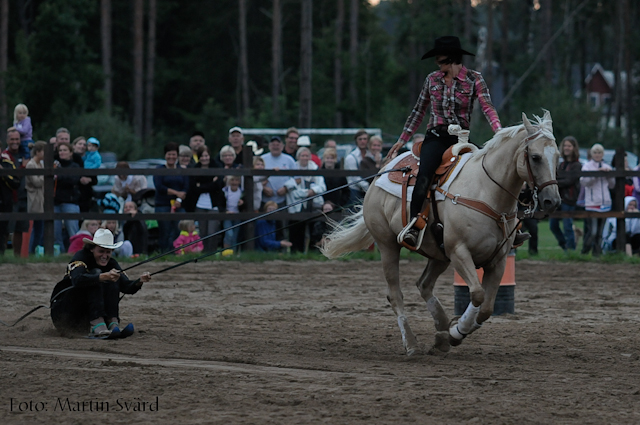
[[350, 235]]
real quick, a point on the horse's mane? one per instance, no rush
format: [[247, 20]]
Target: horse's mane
[[542, 125]]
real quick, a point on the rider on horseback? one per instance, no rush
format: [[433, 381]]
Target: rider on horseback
[[451, 92]]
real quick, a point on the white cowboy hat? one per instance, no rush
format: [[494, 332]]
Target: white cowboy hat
[[104, 239]]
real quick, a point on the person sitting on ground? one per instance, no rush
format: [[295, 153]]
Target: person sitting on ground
[[87, 230], [90, 291], [125, 186], [134, 230], [266, 232], [126, 249], [188, 234]]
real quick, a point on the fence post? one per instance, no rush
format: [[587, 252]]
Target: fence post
[[619, 200], [247, 163], [49, 193]]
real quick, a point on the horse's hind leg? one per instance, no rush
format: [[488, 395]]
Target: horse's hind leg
[[425, 285], [390, 256]]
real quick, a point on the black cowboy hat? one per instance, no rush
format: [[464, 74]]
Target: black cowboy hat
[[446, 45]]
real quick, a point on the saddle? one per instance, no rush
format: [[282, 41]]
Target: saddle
[[450, 160]]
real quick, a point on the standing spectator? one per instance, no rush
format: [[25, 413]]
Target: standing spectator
[[352, 162], [92, 159], [185, 158], [258, 183], [17, 227], [228, 157], [569, 187], [291, 142], [196, 141], [188, 234], [300, 188], [125, 186], [330, 162], [330, 143], [236, 141], [135, 230], [79, 147], [305, 142], [8, 184], [170, 192], [274, 189], [67, 195], [373, 158], [35, 194], [205, 196], [233, 194], [22, 123], [636, 186], [628, 181], [266, 232], [62, 135], [87, 229], [596, 198]]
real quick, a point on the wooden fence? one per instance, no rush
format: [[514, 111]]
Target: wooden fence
[[48, 216]]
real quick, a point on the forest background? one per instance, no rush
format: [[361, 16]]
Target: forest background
[[139, 73]]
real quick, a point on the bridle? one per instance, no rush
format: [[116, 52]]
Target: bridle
[[532, 202]]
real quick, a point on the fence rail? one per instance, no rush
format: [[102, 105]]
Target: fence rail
[[49, 172]]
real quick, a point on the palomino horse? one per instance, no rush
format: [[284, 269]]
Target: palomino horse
[[494, 175]]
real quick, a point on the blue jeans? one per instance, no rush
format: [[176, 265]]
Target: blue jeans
[[71, 225], [37, 236], [230, 236], [168, 231], [566, 238]]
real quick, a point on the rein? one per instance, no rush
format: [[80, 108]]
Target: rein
[[532, 203]]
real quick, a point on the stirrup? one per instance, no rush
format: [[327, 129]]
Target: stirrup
[[406, 229]]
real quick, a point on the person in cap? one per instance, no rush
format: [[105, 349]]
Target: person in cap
[[236, 140], [450, 91], [92, 159], [89, 293]]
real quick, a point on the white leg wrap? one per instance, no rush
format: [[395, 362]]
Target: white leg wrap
[[467, 323], [401, 324]]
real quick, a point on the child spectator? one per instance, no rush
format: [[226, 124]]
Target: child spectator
[[35, 195], [87, 230], [631, 226], [135, 231], [92, 159], [266, 232], [233, 194], [126, 249], [258, 183], [188, 234], [22, 123]]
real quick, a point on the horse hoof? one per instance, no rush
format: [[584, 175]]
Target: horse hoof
[[412, 351], [442, 341], [454, 342]]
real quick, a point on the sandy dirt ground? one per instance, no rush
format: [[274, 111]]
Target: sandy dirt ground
[[316, 342]]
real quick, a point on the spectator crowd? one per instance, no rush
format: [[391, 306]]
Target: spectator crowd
[[177, 193]]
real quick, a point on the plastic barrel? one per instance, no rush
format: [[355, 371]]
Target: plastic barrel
[[505, 299]]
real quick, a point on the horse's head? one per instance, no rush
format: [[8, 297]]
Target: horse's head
[[538, 162]]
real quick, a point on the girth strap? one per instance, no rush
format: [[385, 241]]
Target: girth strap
[[479, 206]]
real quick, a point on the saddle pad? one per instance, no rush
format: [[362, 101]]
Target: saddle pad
[[387, 185], [395, 189]]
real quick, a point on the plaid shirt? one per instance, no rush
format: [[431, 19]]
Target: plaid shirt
[[451, 105]]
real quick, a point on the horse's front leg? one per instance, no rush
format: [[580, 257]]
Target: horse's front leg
[[441, 321], [491, 283], [463, 263], [390, 256]]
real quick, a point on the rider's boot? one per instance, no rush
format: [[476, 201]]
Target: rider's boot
[[413, 232], [520, 238]]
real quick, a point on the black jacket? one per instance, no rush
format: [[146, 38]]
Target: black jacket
[[205, 184], [569, 186], [339, 197], [67, 187]]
